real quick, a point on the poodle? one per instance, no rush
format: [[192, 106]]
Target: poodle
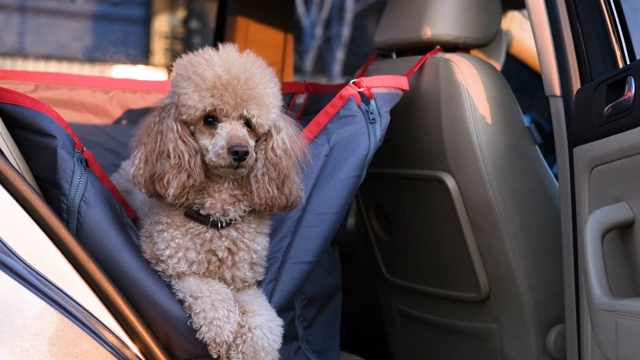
[[208, 166]]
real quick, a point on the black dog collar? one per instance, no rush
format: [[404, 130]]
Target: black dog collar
[[207, 220]]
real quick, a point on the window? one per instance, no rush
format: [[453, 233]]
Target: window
[[630, 26]]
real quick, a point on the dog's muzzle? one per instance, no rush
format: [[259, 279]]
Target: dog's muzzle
[[239, 153]]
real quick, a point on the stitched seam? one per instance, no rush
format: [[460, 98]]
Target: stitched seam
[[505, 228]]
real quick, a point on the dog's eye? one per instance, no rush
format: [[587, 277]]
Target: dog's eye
[[248, 123], [210, 120]]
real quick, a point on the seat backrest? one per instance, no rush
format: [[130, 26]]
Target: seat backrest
[[461, 208]]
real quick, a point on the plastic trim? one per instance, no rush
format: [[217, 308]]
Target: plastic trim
[[456, 197]]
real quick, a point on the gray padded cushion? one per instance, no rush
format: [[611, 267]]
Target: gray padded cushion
[[452, 24]]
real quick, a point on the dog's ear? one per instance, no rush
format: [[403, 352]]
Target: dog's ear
[[165, 158], [275, 178]]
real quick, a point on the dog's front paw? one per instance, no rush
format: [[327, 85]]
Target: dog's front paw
[[260, 332], [213, 309]]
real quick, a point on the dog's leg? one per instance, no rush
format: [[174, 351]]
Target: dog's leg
[[213, 309], [260, 332]]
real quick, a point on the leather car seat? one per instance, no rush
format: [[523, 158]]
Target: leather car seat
[[460, 206]]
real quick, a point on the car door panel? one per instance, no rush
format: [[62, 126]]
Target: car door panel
[[606, 171]]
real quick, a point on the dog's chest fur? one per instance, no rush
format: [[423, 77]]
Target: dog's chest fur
[[178, 246]]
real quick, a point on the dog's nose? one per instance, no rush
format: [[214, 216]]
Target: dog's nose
[[238, 153]]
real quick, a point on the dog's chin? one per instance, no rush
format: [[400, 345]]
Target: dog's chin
[[235, 170]]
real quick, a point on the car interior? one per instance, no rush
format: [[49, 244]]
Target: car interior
[[460, 206], [452, 248]]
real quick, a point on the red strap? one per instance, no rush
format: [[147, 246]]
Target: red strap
[[365, 84], [366, 65], [419, 63], [84, 80], [307, 87], [352, 89], [360, 84], [410, 72], [301, 107], [329, 111], [389, 81], [93, 164], [8, 96]]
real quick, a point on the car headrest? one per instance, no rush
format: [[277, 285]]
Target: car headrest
[[452, 24], [495, 53]]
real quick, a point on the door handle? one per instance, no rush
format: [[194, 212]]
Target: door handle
[[623, 103], [608, 313]]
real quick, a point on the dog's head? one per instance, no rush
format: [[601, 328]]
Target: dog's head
[[222, 117]]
